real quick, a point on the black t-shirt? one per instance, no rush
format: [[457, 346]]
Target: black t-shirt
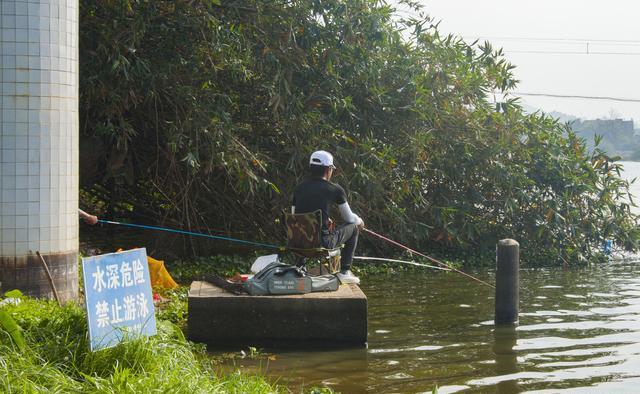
[[317, 193]]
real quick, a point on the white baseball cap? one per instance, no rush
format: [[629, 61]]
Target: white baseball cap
[[322, 158]]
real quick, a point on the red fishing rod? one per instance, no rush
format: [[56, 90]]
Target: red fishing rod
[[427, 257]]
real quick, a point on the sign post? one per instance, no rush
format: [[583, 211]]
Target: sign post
[[118, 297]]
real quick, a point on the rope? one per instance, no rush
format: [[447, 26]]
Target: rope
[[400, 261], [440, 263], [170, 230]]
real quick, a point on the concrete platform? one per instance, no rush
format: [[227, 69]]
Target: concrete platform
[[220, 318]]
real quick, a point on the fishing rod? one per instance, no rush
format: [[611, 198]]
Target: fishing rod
[[171, 230], [401, 262], [283, 248], [440, 263]]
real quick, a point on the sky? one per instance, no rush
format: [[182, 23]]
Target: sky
[[611, 26]]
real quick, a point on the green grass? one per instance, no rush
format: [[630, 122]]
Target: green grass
[[175, 310], [50, 353], [56, 359]]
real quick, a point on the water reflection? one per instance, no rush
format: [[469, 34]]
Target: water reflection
[[579, 333], [504, 342], [346, 370]]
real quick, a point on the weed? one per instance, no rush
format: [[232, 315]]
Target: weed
[[175, 309], [56, 358]]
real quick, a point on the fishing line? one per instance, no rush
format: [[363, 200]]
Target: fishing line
[[400, 261], [283, 248], [170, 230], [440, 263]]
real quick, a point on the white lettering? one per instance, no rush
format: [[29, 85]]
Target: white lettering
[[143, 309], [102, 313], [125, 270], [115, 312], [129, 308], [98, 280], [113, 276], [138, 272]]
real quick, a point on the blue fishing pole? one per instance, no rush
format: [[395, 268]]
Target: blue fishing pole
[[176, 231]]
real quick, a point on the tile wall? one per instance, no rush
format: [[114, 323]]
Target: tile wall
[[38, 126]]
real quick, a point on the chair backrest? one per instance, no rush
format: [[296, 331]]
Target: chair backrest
[[304, 229]]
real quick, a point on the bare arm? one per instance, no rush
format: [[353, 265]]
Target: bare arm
[[348, 216], [89, 219]]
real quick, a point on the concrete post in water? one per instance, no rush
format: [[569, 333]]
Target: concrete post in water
[[39, 146], [507, 282]]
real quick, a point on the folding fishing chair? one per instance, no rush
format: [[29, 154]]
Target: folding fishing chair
[[304, 239]]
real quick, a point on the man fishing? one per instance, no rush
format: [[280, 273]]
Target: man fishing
[[318, 192]]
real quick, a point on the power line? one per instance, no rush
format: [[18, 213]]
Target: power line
[[606, 98], [586, 52], [558, 40], [588, 45]]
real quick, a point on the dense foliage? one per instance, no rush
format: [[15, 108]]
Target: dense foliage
[[202, 114]]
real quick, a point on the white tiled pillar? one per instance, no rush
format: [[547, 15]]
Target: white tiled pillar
[[39, 144]]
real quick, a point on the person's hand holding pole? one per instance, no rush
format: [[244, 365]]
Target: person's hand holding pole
[[89, 219]]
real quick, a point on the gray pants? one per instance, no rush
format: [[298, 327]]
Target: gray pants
[[346, 234]]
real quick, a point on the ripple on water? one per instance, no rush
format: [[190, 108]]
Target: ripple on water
[[581, 325], [584, 338], [605, 295], [562, 342], [617, 310], [408, 349], [449, 389], [597, 361], [559, 312], [399, 375]]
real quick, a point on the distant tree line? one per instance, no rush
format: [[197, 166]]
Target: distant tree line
[[202, 115], [617, 137]]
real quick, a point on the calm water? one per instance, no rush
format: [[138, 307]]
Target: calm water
[[579, 332]]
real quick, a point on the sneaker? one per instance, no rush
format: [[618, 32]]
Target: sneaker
[[348, 277]]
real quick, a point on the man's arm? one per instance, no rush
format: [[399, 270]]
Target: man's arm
[[89, 219], [293, 203], [345, 210], [348, 216]]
